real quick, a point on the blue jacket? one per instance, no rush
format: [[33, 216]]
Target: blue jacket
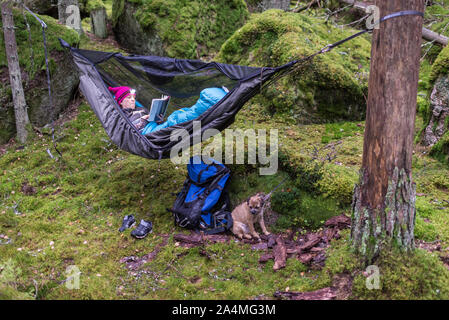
[[208, 98]]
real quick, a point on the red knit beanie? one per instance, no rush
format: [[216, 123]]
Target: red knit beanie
[[121, 93]]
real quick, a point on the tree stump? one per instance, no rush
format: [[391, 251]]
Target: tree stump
[[99, 22]]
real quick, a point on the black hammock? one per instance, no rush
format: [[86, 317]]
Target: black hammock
[[152, 76], [182, 80]]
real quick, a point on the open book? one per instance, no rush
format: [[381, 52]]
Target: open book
[[158, 106]]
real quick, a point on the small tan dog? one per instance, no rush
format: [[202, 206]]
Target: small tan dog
[[245, 215]]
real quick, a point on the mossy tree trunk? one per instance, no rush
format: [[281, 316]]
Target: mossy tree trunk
[[15, 77], [383, 208]]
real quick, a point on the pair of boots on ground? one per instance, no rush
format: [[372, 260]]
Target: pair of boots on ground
[[144, 228]]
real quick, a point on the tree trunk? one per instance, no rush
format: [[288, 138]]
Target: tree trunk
[[383, 205], [69, 14], [98, 21], [15, 77]]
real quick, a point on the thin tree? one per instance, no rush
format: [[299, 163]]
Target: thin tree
[[15, 78], [383, 208]]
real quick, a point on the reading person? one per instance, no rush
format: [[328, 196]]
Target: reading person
[[126, 98]]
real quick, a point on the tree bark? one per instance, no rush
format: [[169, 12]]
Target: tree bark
[[15, 77], [70, 16], [383, 208], [427, 34]]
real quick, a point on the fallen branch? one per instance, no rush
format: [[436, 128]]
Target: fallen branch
[[427, 34], [306, 7], [321, 294], [280, 254]]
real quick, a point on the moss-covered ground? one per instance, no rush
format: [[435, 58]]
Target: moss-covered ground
[[56, 214], [188, 29]]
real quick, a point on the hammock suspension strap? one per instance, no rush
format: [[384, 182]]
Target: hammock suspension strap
[[300, 62], [52, 111]]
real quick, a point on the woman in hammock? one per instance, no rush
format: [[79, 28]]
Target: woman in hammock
[[126, 98]]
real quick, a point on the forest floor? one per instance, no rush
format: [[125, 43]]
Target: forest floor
[[56, 213]]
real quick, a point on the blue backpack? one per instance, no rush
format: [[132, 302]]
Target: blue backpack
[[203, 203]]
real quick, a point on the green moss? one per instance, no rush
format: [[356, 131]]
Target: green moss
[[441, 65], [188, 29], [441, 149], [423, 108], [10, 283], [332, 86], [86, 6], [338, 183], [425, 230], [117, 10], [53, 32], [297, 208], [418, 275], [336, 131], [94, 5]]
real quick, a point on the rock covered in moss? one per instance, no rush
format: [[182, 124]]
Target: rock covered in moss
[[43, 7], [436, 131], [32, 63], [176, 28], [87, 6], [440, 66], [331, 87], [439, 109]]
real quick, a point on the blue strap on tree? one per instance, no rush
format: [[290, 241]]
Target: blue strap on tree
[[52, 111]]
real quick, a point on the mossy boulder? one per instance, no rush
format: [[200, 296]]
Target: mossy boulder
[[331, 87], [64, 78], [87, 6], [436, 128], [176, 28], [43, 7], [437, 14]]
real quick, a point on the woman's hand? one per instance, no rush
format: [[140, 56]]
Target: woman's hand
[[160, 119], [146, 117]]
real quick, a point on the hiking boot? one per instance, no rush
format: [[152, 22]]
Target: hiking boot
[[128, 222], [144, 228]]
